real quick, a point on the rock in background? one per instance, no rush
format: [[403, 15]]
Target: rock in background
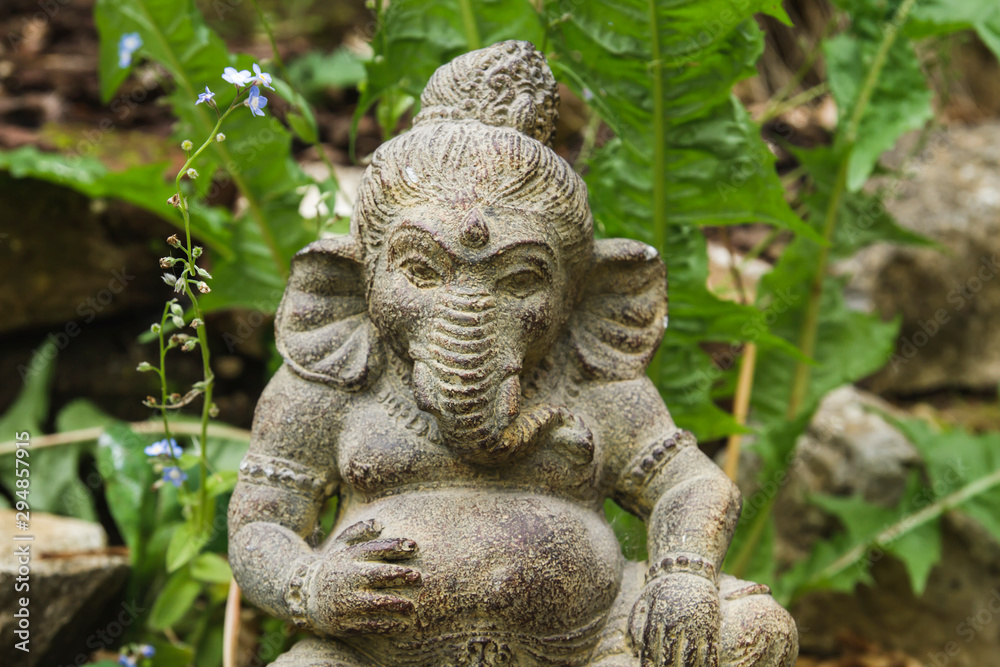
[[73, 578], [949, 300]]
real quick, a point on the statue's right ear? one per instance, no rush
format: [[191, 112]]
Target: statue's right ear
[[322, 326]]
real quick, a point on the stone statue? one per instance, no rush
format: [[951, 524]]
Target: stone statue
[[465, 373]]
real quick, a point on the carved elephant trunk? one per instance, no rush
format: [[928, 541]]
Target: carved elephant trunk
[[465, 375]]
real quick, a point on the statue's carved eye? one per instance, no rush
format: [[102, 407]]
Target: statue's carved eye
[[420, 273], [522, 284]]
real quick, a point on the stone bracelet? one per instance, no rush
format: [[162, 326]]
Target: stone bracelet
[[296, 597], [683, 563]]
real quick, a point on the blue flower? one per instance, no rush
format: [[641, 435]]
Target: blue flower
[[206, 97], [174, 475], [126, 661], [262, 78], [128, 44], [256, 102], [164, 448], [236, 77], [147, 651]]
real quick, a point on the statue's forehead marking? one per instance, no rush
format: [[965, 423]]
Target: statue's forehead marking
[[442, 236]]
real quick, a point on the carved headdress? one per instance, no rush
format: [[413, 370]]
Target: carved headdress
[[481, 140]]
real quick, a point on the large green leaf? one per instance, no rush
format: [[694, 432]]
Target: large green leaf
[[415, 37], [145, 186], [900, 101], [128, 478], [661, 75], [940, 17]]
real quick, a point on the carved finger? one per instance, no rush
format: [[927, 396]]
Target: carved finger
[[361, 531], [391, 576], [385, 549], [385, 604], [377, 626]]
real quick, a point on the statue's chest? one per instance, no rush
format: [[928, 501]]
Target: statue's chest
[[388, 446]]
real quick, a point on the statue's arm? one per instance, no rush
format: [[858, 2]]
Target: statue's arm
[[657, 472], [286, 476]]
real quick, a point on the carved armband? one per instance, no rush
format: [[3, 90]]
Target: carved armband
[[654, 457], [284, 474], [297, 594], [688, 563]]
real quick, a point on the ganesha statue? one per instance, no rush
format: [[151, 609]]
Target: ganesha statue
[[465, 373]]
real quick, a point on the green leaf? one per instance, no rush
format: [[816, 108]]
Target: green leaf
[[128, 478], [315, 73], [211, 568], [176, 598], [82, 414], [870, 533], [143, 186], [942, 17], [687, 155], [186, 542], [416, 37], [54, 478], [900, 101]]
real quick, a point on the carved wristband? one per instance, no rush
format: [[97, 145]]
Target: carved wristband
[[683, 563], [297, 595]]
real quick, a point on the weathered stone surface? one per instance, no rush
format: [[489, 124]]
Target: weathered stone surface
[[849, 449], [466, 370], [950, 300], [70, 572]]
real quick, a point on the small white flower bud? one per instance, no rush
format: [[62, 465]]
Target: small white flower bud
[[175, 308], [213, 411], [196, 322], [220, 137], [203, 273], [178, 321], [156, 328], [169, 279], [196, 251], [189, 345], [204, 288], [192, 173], [144, 367], [187, 145]]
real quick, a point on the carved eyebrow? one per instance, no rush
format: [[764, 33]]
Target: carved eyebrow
[[415, 238], [532, 252]]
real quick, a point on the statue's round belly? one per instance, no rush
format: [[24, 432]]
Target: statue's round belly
[[502, 560]]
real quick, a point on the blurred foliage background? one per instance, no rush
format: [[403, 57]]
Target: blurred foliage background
[[766, 148]]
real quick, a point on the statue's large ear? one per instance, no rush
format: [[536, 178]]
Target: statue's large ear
[[622, 312], [322, 326]]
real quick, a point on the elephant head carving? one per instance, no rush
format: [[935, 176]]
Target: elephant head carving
[[471, 257]]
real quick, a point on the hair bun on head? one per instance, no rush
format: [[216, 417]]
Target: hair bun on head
[[508, 84]]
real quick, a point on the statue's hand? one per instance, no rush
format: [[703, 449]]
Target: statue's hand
[[349, 589], [676, 622]]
